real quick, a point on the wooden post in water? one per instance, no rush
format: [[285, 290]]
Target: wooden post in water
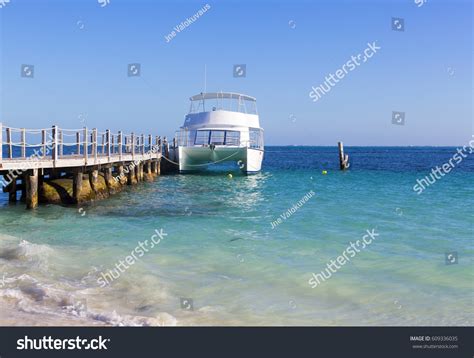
[[120, 173], [149, 171], [108, 176], [343, 159], [12, 192], [130, 174], [137, 172], [31, 183], [76, 185], [93, 179]]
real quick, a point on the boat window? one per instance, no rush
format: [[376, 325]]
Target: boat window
[[205, 137], [232, 138], [217, 137], [256, 138], [202, 137]]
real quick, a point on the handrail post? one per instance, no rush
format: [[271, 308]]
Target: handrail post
[[167, 148], [107, 137], [143, 144], [120, 139], [55, 144], [132, 143], [95, 146], [23, 143], [159, 144], [43, 142], [86, 146], [113, 143], [103, 144], [9, 143], [150, 143], [61, 143], [78, 139]]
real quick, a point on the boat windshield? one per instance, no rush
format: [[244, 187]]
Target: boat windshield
[[231, 138], [188, 138], [226, 101]]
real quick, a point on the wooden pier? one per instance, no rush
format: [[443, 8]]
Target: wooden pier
[[75, 153]]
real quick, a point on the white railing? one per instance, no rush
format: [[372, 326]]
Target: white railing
[[50, 143]]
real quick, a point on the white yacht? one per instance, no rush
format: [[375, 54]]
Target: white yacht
[[221, 127]]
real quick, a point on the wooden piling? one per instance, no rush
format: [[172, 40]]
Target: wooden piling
[[77, 185], [343, 159], [120, 172], [148, 170], [131, 177], [108, 177], [12, 191], [94, 179], [138, 172], [31, 184]]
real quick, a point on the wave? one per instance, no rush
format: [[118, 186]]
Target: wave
[[32, 296]]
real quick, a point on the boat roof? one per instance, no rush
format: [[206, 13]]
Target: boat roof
[[218, 95]]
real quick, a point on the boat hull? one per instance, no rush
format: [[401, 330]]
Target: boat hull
[[193, 159]]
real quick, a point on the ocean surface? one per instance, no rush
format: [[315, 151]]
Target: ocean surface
[[224, 263]]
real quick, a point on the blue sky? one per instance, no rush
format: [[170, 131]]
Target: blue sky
[[81, 50]]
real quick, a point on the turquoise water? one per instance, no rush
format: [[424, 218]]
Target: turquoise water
[[222, 252]]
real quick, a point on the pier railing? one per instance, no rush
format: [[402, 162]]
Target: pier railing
[[84, 146]]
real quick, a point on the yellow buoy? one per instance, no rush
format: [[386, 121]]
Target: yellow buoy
[[229, 176], [325, 172]]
